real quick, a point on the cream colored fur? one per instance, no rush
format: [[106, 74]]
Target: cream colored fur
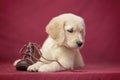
[[61, 44]]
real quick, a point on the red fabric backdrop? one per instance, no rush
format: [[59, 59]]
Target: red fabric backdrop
[[25, 20]]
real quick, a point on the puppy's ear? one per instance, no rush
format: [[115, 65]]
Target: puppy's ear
[[55, 29]]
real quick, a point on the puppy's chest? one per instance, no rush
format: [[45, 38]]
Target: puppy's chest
[[51, 50], [48, 51]]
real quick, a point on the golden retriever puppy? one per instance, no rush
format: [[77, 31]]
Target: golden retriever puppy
[[65, 36]]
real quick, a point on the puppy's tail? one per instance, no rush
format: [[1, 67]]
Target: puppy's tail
[[16, 61]]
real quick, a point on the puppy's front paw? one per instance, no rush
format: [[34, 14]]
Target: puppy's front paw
[[44, 68], [34, 67]]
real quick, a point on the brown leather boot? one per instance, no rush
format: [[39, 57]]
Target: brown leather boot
[[31, 55]]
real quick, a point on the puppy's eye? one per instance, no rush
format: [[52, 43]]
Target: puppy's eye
[[70, 31]]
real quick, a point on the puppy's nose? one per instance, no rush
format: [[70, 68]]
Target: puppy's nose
[[79, 43]]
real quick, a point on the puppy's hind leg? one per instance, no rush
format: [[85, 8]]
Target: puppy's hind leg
[[51, 67]]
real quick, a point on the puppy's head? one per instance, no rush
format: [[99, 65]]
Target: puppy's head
[[67, 30]]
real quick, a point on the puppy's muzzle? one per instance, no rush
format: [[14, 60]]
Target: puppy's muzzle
[[79, 43]]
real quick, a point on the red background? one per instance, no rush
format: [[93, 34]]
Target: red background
[[22, 21], [25, 20]]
